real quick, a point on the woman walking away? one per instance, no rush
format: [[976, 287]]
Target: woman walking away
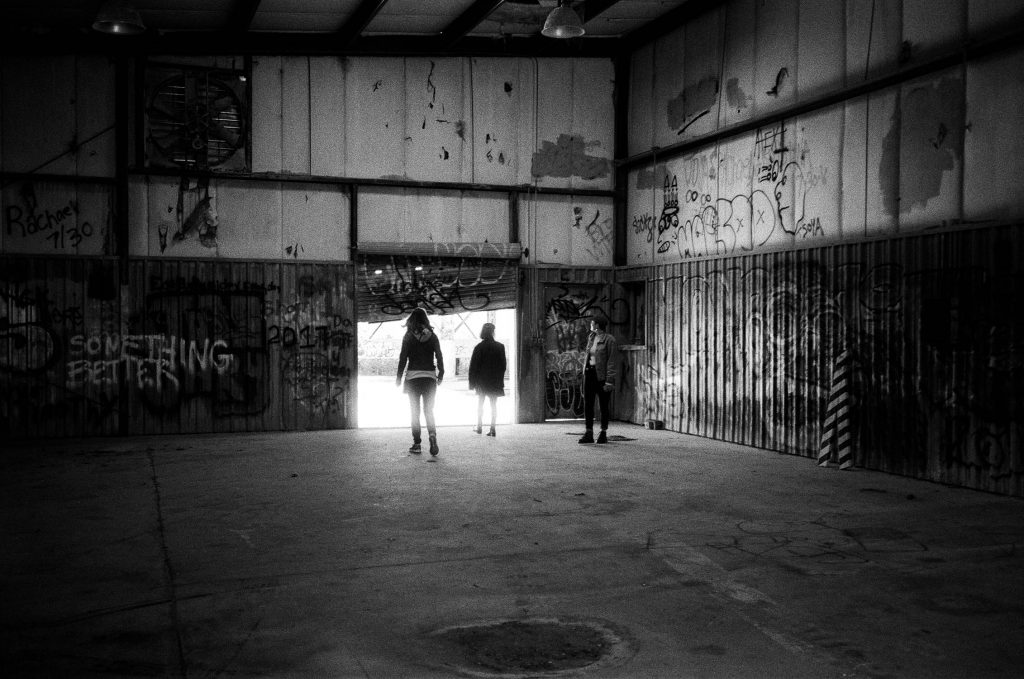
[[487, 375], [419, 348]]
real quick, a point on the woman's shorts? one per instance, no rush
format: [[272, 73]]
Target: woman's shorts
[[421, 386]]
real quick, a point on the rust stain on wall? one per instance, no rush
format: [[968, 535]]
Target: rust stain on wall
[[568, 157]]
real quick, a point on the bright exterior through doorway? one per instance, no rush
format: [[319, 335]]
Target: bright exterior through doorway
[[382, 404]]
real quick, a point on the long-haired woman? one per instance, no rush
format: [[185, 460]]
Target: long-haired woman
[[420, 347]]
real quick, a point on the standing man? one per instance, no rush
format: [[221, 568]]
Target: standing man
[[598, 377]]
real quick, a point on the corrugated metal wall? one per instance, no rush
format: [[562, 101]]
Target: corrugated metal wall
[[743, 349], [555, 307], [174, 346]]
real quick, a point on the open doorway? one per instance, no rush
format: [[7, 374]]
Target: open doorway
[[381, 404]]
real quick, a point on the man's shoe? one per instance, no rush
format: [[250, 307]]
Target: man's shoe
[[588, 437], [602, 438], [492, 432], [434, 450], [415, 449]]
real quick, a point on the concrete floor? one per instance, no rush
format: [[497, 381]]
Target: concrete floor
[[337, 554]]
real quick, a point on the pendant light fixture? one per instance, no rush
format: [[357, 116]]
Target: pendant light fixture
[[118, 17], [563, 22]]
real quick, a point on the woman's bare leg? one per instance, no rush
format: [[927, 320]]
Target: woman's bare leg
[[479, 413]]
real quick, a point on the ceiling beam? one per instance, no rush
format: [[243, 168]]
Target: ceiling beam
[[242, 13], [591, 8], [468, 20], [359, 20], [225, 43], [667, 23]]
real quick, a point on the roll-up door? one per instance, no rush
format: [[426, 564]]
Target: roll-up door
[[444, 279]]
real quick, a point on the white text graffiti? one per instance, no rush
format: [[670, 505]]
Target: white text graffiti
[[148, 361]]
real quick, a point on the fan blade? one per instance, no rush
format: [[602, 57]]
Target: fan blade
[[225, 134]]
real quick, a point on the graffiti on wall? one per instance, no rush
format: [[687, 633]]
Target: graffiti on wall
[[317, 346], [937, 381], [596, 234], [228, 321], [567, 313], [177, 352], [696, 221], [44, 221], [392, 286], [192, 217]]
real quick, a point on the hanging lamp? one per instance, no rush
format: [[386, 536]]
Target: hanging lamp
[[563, 22]]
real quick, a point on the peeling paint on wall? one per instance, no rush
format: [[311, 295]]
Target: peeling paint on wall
[[649, 178], [568, 157], [735, 96], [694, 102], [889, 167], [933, 143]]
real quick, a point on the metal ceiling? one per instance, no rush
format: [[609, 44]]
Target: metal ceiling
[[382, 27]]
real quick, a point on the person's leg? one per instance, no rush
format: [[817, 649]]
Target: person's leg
[[479, 414], [429, 394], [414, 409], [494, 414], [604, 397], [589, 392]]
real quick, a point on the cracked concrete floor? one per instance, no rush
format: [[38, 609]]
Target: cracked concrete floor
[[338, 554]]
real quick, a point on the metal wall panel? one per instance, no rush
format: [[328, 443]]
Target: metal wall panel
[[55, 316], [744, 350], [436, 111], [180, 347], [398, 215], [993, 162], [28, 125], [569, 230], [502, 125]]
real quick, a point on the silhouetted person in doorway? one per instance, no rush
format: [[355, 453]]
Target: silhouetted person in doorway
[[598, 378], [487, 375], [420, 347]]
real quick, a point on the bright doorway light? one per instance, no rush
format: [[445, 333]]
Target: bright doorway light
[[381, 404]]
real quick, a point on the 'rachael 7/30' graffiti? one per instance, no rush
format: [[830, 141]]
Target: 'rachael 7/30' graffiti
[[60, 221]]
